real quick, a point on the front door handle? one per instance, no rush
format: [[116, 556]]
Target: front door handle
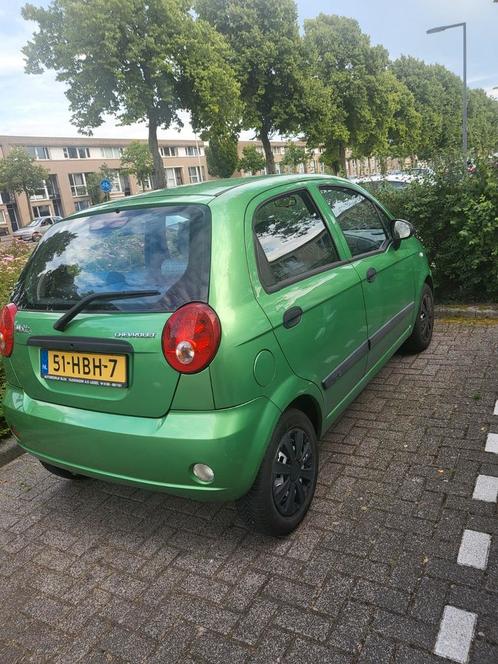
[[371, 274], [292, 316]]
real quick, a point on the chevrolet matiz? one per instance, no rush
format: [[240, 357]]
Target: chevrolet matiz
[[200, 340]]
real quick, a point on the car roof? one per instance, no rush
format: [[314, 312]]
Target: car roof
[[207, 191]]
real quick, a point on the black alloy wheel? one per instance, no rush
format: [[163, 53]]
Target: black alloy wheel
[[426, 317], [292, 472]]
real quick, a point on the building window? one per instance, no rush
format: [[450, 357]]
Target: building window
[[168, 151], [37, 151], [78, 184], [41, 211], [194, 173], [111, 152], [2, 218], [76, 153], [192, 151], [81, 205], [41, 194], [116, 181], [173, 177], [147, 182]]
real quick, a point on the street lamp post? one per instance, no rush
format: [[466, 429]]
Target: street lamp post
[[441, 28]]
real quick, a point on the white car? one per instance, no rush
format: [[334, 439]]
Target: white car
[[34, 230]]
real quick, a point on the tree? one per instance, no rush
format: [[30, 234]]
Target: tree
[[137, 160], [438, 98], [19, 173], [93, 181], [483, 122], [294, 156], [268, 59], [138, 61], [252, 160], [222, 155], [362, 104]]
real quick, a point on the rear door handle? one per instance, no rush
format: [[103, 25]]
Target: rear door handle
[[371, 274], [292, 316]]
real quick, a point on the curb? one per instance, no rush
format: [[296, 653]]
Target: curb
[[9, 450], [465, 311]]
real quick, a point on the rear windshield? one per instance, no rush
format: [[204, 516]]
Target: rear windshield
[[167, 249]]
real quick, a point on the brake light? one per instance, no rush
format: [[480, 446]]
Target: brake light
[[7, 317], [191, 337]]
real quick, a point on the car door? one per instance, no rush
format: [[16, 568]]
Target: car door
[[310, 294], [386, 273]]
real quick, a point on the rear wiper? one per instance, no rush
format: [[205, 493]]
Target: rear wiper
[[64, 320]]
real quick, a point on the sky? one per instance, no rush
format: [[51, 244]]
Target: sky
[[36, 104]]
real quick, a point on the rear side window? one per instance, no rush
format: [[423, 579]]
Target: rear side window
[[292, 240], [167, 249], [358, 218]]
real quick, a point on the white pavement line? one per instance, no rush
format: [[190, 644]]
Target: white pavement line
[[492, 443], [474, 549], [455, 634], [495, 412], [486, 488]]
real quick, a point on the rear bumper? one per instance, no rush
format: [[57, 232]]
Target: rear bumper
[[155, 454]]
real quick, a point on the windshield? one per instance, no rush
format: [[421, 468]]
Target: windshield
[[36, 222], [164, 248]]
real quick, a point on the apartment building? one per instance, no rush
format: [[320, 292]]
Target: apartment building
[[70, 160]]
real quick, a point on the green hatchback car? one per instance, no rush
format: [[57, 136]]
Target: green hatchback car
[[199, 340]]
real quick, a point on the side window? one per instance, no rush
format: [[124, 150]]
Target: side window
[[358, 218], [291, 239]]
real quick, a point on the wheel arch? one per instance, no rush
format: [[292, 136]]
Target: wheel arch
[[311, 408]]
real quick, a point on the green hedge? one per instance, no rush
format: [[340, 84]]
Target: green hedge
[[12, 258], [456, 217]]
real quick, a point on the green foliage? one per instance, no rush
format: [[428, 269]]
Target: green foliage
[[456, 216], [482, 123], [252, 160], [268, 58], [93, 183], [294, 156], [361, 103], [139, 61], [221, 155], [19, 173], [438, 98], [13, 256], [137, 160]]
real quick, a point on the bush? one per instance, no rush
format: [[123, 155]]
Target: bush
[[13, 256], [456, 217]]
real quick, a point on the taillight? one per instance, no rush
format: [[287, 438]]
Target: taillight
[[7, 317], [191, 337]]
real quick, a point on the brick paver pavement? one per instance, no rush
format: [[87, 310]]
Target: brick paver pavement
[[91, 572]]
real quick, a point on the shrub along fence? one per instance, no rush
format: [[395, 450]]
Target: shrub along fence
[[456, 217], [12, 259]]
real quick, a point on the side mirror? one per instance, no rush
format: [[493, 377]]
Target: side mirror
[[401, 231]]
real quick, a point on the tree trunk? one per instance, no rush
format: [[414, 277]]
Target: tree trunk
[[342, 159], [270, 160], [30, 209], [159, 177]]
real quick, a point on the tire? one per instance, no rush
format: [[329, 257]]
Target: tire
[[61, 472], [421, 336], [278, 501]]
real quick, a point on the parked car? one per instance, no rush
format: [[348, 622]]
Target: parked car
[[200, 340], [393, 180], [38, 227]]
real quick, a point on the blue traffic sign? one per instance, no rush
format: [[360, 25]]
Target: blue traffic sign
[[106, 185]]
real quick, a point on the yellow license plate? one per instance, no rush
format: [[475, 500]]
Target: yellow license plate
[[88, 368]]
